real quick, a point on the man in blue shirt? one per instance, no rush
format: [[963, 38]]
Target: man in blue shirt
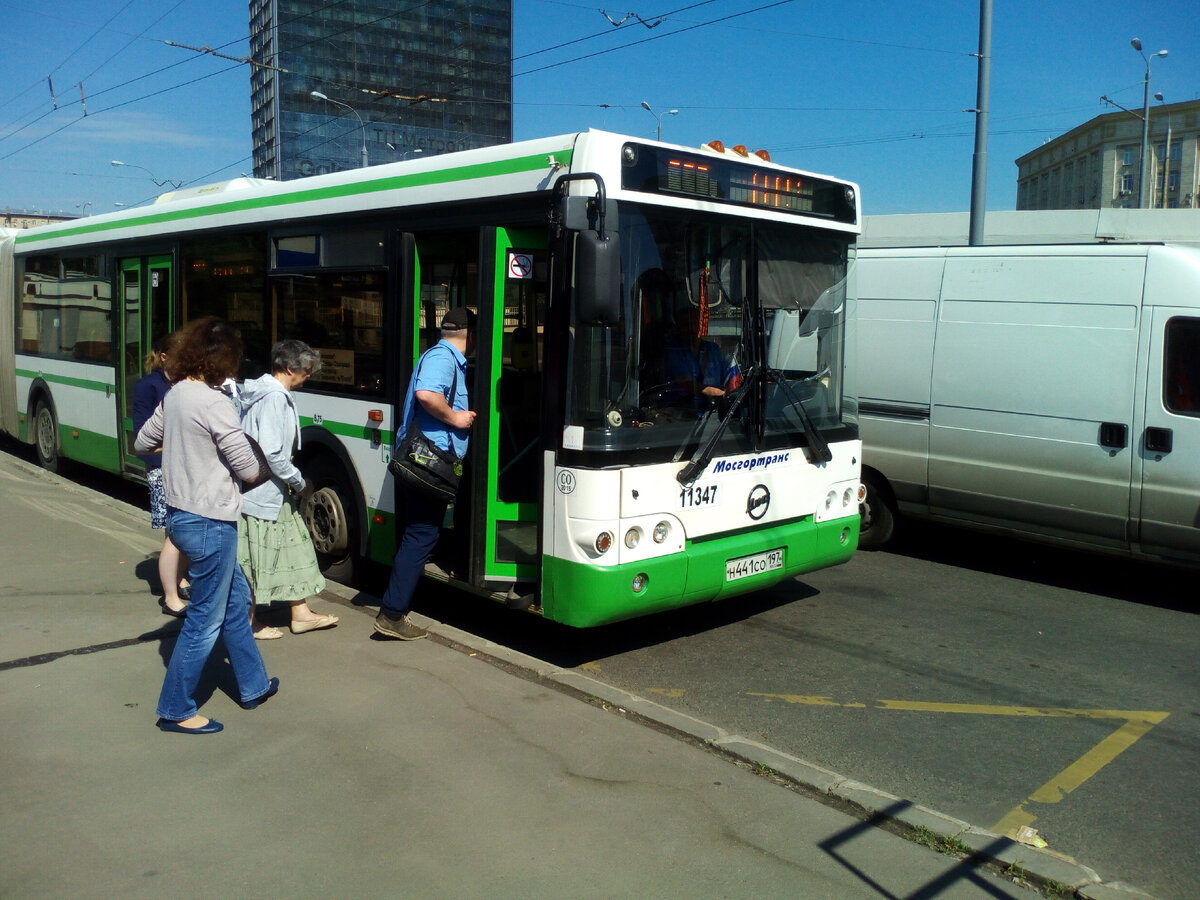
[[696, 370], [437, 398]]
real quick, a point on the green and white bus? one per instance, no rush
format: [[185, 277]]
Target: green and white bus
[[603, 483]]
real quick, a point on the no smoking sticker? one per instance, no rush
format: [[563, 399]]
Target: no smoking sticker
[[520, 265]]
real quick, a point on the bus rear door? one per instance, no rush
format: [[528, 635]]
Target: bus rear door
[[145, 289]]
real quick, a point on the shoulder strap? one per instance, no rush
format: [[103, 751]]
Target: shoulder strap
[[453, 384]]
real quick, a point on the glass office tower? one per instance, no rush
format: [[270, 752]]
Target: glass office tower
[[402, 79]]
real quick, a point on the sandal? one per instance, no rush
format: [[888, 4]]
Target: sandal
[[268, 633], [314, 624]]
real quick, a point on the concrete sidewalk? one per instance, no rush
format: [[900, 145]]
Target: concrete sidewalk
[[387, 769]]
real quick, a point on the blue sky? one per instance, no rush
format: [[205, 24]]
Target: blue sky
[[871, 91]]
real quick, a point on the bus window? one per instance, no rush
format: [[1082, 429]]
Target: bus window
[[223, 276], [65, 309], [339, 314]]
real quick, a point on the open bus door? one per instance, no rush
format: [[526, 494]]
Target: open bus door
[[505, 497], [145, 289]]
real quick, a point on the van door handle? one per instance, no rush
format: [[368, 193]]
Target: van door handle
[[1113, 435], [1159, 440]]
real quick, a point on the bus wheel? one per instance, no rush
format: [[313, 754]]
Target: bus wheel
[[329, 513], [46, 436], [877, 516]]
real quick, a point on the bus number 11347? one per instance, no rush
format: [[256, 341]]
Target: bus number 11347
[[698, 496]]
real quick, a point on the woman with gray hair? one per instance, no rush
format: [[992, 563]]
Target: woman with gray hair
[[274, 548]]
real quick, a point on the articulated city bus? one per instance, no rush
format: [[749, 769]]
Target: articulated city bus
[[663, 416]]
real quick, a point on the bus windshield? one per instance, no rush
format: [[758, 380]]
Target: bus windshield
[[714, 307]]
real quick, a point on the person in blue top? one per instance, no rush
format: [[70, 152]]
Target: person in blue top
[[437, 399], [696, 370]]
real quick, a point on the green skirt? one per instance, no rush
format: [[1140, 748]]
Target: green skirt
[[278, 558]]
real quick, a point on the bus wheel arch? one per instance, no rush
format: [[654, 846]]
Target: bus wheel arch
[[333, 508], [877, 512], [44, 431]]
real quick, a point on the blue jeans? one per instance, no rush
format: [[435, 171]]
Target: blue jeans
[[219, 605], [421, 524]]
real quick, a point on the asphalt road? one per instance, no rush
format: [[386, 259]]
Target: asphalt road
[[999, 682], [994, 680]]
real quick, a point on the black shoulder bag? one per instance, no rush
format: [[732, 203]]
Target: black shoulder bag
[[423, 467]]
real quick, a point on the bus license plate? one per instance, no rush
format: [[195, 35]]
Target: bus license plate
[[745, 566]]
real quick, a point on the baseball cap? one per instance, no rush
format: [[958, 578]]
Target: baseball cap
[[458, 318]]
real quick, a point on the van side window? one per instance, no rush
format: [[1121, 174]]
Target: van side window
[[1181, 368]]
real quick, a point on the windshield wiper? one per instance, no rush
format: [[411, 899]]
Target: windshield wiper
[[816, 444], [698, 463]]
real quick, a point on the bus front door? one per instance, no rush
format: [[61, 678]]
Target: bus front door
[[145, 292], [510, 353]]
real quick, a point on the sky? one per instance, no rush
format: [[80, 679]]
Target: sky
[[878, 92]]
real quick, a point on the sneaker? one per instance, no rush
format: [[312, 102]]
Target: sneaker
[[403, 628]]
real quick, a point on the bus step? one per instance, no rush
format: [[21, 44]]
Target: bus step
[[517, 598]]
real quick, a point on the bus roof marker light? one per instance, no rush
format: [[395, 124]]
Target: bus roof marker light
[[763, 155], [717, 146], [741, 150]]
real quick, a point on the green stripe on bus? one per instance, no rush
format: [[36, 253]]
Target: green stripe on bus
[[345, 429], [333, 192], [381, 536], [583, 595], [67, 380], [90, 448]]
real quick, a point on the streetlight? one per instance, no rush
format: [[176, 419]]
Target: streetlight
[[84, 206], [658, 117], [317, 95], [159, 183], [1166, 156], [1136, 44]]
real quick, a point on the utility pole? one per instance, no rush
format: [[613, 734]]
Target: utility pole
[[982, 92]]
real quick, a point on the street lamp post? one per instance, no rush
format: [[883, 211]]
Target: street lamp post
[[157, 181], [317, 95], [658, 116], [1166, 189], [1136, 44]]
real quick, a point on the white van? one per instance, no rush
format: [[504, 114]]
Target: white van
[[1046, 383]]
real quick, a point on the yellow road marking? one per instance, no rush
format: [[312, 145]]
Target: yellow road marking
[[674, 693], [1135, 724]]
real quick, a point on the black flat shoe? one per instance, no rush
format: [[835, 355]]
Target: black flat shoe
[[212, 727], [272, 690], [167, 611]]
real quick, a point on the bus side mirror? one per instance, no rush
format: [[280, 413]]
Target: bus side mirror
[[597, 278]]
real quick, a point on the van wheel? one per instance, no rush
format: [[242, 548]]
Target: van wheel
[[877, 516], [331, 516], [46, 437]]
